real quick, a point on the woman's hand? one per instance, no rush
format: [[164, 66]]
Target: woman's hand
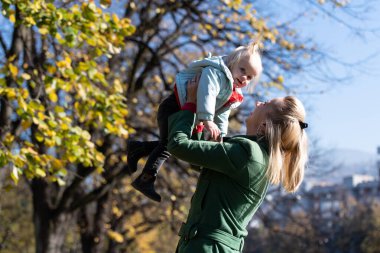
[[192, 87]]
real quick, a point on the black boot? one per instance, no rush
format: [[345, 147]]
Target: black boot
[[137, 150], [145, 184]]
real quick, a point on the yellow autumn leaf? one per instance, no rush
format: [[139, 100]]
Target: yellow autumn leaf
[[56, 163], [13, 69], [115, 18], [35, 120], [25, 124], [53, 97], [58, 36], [99, 115], [115, 236], [280, 79], [26, 76], [110, 127], [52, 69], [99, 170], [92, 7], [11, 93], [61, 64], [41, 116], [19, 161], [30, 150], [59, 109], [14, 174], [22, 103], [208, 27], [40, 172], [8, 139], [24, 93], [124, 158], [86, 135], [82, 93], [99, 157], [30, 21], [43, 31], [71, 158], [131, 231], [12, 18], [49, 142], [64, 126], [61, 182], [116, 211], [39, 137], [68, 60], [118, 86]]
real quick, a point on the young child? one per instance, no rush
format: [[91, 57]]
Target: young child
[[220, 81]]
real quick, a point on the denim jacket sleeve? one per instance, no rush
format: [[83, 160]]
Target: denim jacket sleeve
[[221, 120], [208, 90]]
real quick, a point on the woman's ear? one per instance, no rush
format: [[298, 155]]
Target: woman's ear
[[261, 129]]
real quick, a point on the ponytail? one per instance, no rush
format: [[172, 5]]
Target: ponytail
[[288, 145]]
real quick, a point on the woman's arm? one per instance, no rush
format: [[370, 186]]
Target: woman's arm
[[212, 155], [203, 153]]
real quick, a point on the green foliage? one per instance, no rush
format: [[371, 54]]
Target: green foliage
[[57, 101]]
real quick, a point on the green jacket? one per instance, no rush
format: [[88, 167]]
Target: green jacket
[[231, 187]]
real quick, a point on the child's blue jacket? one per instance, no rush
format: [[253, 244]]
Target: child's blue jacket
[[214, 90]]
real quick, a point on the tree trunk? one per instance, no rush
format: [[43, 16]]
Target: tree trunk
[[91, 221], [50, 226]]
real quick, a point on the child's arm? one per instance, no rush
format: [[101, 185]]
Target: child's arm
[[221, 120], [192, 97], [208, 90]]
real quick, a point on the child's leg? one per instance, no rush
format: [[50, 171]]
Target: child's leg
[[145, 182], [137, 150]]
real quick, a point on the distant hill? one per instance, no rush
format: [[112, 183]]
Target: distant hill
[[352, 157], [348, 162]]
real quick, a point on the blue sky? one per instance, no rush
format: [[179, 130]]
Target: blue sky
[[347, 116]]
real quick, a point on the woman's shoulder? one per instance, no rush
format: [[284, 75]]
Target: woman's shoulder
[[249, 157], [256, 149]]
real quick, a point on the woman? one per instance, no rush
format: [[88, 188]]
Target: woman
[[237, 172]]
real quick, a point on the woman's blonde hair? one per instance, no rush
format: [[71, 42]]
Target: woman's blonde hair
[[287, 143], [252, 50]]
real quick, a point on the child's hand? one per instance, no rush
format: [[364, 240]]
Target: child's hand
[[192, 87], [213, 129]]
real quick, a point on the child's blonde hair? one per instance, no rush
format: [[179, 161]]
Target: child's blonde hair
[[252, 50]]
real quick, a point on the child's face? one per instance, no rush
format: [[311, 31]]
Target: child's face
[[244, 71]]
